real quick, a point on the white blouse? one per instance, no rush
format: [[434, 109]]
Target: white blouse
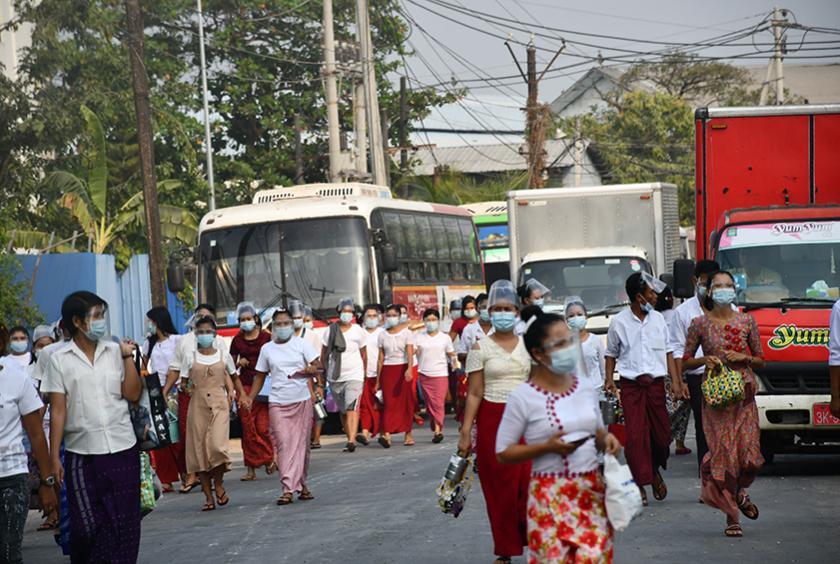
[[503, 371], [537, 415], [592, 350], [393, 346]]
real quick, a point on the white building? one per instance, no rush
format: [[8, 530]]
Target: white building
[[11, 43]]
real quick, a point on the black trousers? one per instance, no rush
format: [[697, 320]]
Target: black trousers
[[696, 400]]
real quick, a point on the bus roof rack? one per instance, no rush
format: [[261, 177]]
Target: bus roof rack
[[343, 190]]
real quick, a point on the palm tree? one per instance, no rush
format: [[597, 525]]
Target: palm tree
[[87, 201]]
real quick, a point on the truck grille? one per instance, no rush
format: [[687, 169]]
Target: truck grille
[[795, 378]]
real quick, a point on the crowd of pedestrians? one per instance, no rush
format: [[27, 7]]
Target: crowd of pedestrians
[[527, 386]]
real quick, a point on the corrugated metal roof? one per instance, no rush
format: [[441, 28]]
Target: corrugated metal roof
[[477, 159]]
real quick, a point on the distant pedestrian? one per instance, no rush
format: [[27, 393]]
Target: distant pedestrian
[[455, 310], [90, 382], [395, 378], [257, 450], [732, 339], [434, 354], [678, 329], [179, 371], [20, 415], [679, 410], [496, 365], [557, 415], [592, 347], [290, 361], [20, 349], [477, 330], [531, 293], [208, 421], [308, 333], [158, 351], [637, 342], [344, 357], [370, 413]]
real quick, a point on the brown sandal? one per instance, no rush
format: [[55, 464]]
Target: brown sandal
[[644, 497], [305, 495], [222, 499], [285, 499], [209, 506], [660, 490], [747, 507], [734, 531], [271, 468]]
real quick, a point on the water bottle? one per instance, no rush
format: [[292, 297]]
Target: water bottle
[[320, 410], [457, 467], [608, 404]]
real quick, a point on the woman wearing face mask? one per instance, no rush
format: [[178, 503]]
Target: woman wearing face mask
[[158, 350], [433, 348], [592, 348], [344, 354], [560, 421], [291, 362], [90, 381], [531, 293], [496, 365], [253, 413], [475, 330], [731, 338], [307, 333], [208, 421], [369, 413], [19, 355], [395, 378]]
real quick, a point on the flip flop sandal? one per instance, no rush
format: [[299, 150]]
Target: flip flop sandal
[[351, 447], [189, 487], [747, 507], [47, 526], [360, 438], [247, 478], [660, 490], [502, 560], [733, 531], [644, 497], [223, 499], [438, 438], [383, 442], [209, 506], [305, 495], [412, 443], [271, 468], [314, 446], [285, 499]]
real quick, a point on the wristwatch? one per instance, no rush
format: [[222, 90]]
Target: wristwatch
[[48, 481]]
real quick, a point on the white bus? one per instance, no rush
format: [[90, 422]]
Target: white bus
[[322, 242]]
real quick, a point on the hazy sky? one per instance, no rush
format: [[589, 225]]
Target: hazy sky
[[456, 51]]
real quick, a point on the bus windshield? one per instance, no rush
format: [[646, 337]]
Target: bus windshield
[[324, 261], [783, 261], [494, 241], [599, 281]]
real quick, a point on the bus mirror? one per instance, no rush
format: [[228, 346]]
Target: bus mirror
[[388, 257], [683, 272], [175, 277]]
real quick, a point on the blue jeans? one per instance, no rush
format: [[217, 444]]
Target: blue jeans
[[14, 506]]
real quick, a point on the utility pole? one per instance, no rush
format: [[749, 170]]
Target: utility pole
[[578, 153], [298, 150], [331, 92], [142, 107], [360, 125], [536, 114], [386, 127], [377, 154], [403, 125], [774, 66], [208, 143]]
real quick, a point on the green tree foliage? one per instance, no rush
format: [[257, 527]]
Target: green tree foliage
[[15, 306], [455, 188]]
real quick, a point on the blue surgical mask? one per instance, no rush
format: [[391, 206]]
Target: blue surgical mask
[[723, 296], [700, 291], [98, 328], [455, 314], [205, 340], [346, 317], [391, 321], [151, 328], [484, 315], [248, 326], [431, 326], [564, 361], [371, 322], [297, 322], [404, 318], [503, 321], [470, 313], [538, 302], [18, 346], [578, 322], [308, 325], [646, 307], [283, 333]]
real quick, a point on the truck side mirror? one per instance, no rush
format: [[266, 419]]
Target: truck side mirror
[[683, 272], [668, 278], [175, 277], [388, 258]]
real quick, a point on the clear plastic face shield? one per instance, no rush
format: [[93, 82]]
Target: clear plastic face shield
[[655, 283], [346, 310], [296, 308], [307, 314], [455, 309], [246, 311], [561, 352], [266, 316], [536, 291], [42, 336], [502, 296], [96, 324], [575, 312]]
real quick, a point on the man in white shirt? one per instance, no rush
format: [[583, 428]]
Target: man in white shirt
[[834, 358], [637, 342], [683, 315], [90, 382]]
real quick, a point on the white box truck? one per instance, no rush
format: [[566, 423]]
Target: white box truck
[[587, 241]]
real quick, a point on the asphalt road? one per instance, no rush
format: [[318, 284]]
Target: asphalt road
[[377, 506]]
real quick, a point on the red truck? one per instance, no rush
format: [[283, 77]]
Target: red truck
[[768, 210]]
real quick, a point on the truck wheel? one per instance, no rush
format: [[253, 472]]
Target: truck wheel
[[768, 447]]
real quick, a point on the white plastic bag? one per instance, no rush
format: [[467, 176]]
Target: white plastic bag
[[624, 502]]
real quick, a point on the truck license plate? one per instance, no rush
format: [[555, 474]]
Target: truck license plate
[[823, 416]]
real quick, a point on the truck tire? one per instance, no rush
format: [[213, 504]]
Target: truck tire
[[768, 447]]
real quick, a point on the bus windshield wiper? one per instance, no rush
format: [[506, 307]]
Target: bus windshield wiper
[[607, 310]]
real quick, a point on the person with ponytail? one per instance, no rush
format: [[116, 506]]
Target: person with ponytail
[[731, 338], [496, 365], [554, 421]]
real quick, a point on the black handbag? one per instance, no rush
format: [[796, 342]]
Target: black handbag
[[149, 414]]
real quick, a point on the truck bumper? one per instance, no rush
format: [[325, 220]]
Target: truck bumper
[[786, 423]]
